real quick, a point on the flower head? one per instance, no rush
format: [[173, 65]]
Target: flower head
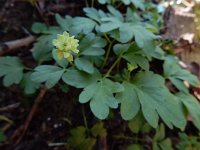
[[66, 45]]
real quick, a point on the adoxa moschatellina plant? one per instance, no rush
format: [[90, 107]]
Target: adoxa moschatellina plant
[[109, 54]]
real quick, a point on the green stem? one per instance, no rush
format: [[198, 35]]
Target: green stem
[[84, 118], [119, 5], [113, 66], [129, 75], [27, 68], [107, 38], [128, 138], [107, 54], [92, 5], [113, 2], [71, 63]]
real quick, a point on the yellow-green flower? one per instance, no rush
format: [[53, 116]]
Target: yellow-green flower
[[66, 45], [131, 67]]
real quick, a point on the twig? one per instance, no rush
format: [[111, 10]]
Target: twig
[[9, 107], [56, 144], [12, 45], [21, 131], [103, 143], [6, 127]]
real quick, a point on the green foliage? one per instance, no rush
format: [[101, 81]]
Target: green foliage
[[155, 100], [85, 139], [192, 105], [138, 124], [48, 74], [100, 95], [138, 4], [188, 142], [29, 85], [108, 41], [92, 45], [2, 136], [12, 70], [124, 30], [136, 56], [79, 79], [134, 147], [159, 140], [177, 75]]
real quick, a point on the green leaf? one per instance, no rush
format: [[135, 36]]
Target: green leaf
[[79, 139], [48, 74], [38, 27], [64, 23], [61, 62], [3, 137], [43, 47], [176, 74], [134, 147], [94, 14], [120, 48], [82, 24], [141, 34], [156, 100], [104, 1], [192, 105], [160, 133], [114, 12], [135, 57], [136, 123], [138, 4], [12, 70], [159, 141], [98, 130], [79, 79], [100, 95], [92, 45], [179, 84], [29, 86], [84, 64], [166, 144], [110, 23], [42, 50], [132, 16], [129, 102]]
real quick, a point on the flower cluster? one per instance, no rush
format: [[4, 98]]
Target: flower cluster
[[66, 45]]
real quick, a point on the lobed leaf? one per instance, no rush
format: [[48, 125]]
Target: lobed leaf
[[100, 95], [192, 105], [79, 79], [48, 74], [11, 70]]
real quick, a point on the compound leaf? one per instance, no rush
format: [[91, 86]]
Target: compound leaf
[[79, 79], [84, 64], [129, 101], [82, 24], [100, 95], [29, 86], [156, 100], [12, 70], [92, 45], [177, 75], [48, 74], [192, 105]]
